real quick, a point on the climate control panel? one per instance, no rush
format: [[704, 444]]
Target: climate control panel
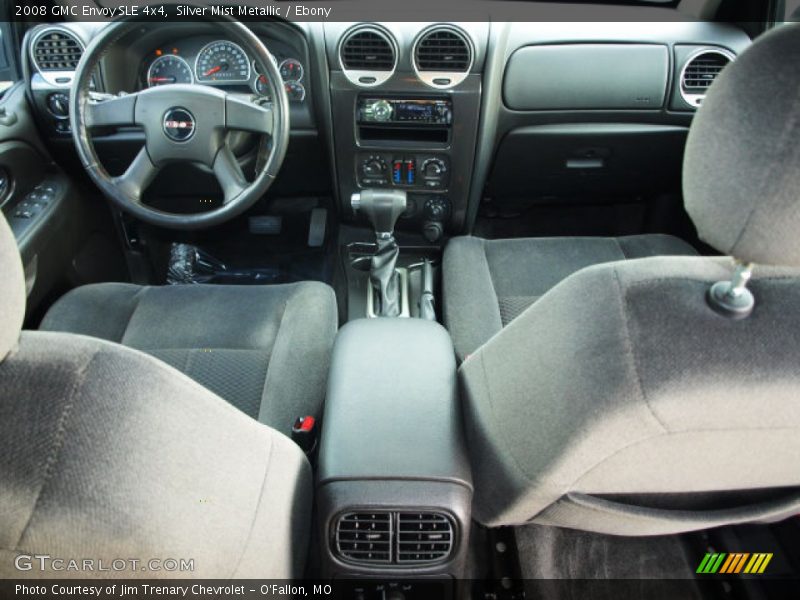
[[415, 171]]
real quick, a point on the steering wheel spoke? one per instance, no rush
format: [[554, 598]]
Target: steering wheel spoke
[[139, 175], [229, 174], [243, 114], [116, 111]]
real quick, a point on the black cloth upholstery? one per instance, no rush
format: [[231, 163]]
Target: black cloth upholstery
[[12, 290], [622, 402], [617, 380], [240, 342], [741, 170], [111, 454], [488, 283]]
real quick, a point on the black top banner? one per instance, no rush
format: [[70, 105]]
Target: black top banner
[[653, 11]]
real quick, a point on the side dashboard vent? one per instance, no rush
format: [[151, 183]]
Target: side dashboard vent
[[699, 73], [57, 50], [423, 537], [442, 57], [365, 536], [368, 56]]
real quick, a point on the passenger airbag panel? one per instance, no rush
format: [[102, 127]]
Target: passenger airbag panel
[[587, 76]]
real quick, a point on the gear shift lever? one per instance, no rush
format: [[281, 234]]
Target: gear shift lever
[[383, 208]]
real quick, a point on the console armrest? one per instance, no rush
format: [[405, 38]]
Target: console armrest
[[394, 488], [392, 410]]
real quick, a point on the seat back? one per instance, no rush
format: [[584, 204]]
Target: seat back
[[112, 457], [663, 394]]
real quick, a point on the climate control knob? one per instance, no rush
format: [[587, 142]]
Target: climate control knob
[[433, 168], [374, 166]]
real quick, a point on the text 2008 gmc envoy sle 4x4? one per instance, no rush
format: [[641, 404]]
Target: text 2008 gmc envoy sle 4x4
[[498, 308]]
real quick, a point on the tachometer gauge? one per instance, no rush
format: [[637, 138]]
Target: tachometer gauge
[[169, 69], [222, 61], [291, 70]]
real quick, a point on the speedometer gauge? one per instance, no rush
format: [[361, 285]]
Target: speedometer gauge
[[222, 61], [168, 69]]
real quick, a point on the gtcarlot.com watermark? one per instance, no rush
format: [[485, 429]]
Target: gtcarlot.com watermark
[[45, 562]]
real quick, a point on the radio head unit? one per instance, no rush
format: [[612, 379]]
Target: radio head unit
[[404, 111]]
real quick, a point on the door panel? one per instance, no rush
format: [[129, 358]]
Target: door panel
[[34, 196]]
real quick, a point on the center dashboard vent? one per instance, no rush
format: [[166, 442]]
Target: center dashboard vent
[[57, 50], [365, 537], [394, 537], [368, 56], [700, 72], [442, 56]]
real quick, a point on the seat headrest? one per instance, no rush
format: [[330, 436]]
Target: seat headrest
[[12, 290], [741, 171]]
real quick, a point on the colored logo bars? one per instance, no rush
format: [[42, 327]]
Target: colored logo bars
[[736, 562]]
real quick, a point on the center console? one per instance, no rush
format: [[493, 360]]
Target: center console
[[405, 102], [413, 141], [393, 483]]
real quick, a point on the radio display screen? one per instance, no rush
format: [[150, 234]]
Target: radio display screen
[[405, 111], [418, 110]]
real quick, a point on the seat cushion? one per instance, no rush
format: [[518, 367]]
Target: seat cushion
[[488, 283], [622, 403], [240, 342]]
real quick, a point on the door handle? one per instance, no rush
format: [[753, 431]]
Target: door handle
[[585, 163]]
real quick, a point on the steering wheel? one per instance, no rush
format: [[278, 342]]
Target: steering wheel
[[181, 123]]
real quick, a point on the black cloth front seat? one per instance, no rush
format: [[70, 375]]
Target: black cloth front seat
[[265, 349], [489, 283], [655, 396], [109, 454]]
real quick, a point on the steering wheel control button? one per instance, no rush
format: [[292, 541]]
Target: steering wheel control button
[[179, 124]]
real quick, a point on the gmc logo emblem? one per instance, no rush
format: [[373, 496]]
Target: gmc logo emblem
[[179, 124]]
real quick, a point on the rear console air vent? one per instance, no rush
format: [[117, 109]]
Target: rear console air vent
[[57, 50], [423, 537], [368, 56], [365, 537], [394, 537], [699, 73], [442, 56]]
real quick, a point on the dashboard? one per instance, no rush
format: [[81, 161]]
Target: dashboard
[[208, 60], [451, 113]]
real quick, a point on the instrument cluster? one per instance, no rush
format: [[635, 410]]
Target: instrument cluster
[[220, 62]]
